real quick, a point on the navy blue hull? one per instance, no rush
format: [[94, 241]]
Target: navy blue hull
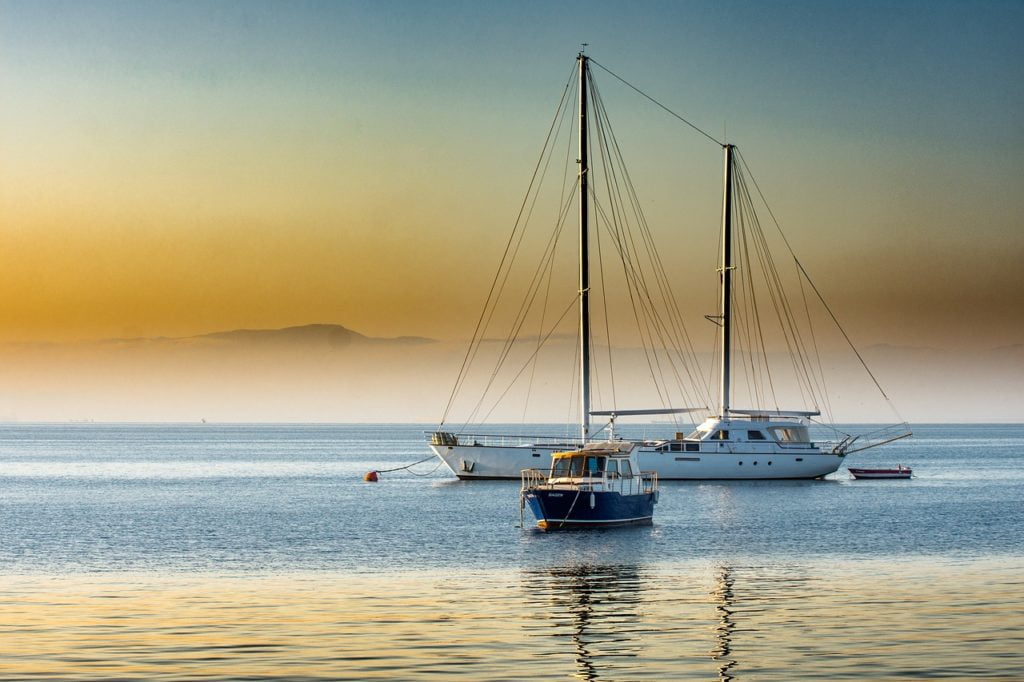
[[556, 509]]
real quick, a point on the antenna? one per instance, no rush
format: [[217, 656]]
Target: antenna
[[583, 47]]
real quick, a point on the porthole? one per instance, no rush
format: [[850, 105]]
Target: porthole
[[741, 463], [755, 462], [769, 462]]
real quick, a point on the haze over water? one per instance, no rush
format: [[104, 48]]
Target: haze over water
[[228, 552]]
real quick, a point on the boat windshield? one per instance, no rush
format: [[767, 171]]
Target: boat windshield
[[698, 434], [578, 465]]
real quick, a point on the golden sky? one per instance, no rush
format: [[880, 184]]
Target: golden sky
[[180, 169]]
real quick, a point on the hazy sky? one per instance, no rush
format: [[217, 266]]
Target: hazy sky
[[173, 168]]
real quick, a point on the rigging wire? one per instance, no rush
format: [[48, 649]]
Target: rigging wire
[[796, 345], [799, 353], [607, 327], [817, 354], [751, 310], [616, 234], [479, 332], [821, 298], [534, 286], [529, 360], [650, 324], [547, 292], [644, 94], [660, 275], [622, 219], [773, 284], [547, 262]]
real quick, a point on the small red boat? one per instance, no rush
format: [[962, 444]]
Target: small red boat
[[899, 472]]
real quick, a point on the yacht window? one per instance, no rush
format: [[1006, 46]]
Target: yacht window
[[577, 467], [661, 448], [720, 435], [612, 468], [693, 447], [786, 434], [560, 468], [699, 434], [677, 447], [755, 435], [595, 465], [625, 469]]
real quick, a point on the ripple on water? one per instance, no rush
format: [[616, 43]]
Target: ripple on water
[[699, 620]]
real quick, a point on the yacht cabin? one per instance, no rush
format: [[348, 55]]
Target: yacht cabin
[[754, 433]]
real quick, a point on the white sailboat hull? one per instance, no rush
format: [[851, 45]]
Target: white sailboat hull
[[725, 461]]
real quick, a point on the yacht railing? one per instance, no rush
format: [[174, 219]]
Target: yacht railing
[[446, 438]]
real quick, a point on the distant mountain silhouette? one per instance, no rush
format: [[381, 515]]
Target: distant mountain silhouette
[[329, 373], [333, 335]]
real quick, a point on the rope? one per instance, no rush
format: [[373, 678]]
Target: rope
[[409, 466], [571, 507]]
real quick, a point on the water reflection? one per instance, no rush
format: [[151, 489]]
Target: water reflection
[[730, 620], [593, 607], [723, 597]]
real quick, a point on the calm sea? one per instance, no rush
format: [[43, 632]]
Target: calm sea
[[253, 552]]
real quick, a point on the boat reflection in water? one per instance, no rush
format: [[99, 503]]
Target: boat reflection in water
[[596, 608], [723, 597]]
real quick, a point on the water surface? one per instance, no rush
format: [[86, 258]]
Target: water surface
[[257, 552]]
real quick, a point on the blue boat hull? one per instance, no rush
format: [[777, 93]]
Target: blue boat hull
[[558, 509]]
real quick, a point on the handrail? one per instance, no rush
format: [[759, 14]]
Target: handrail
[[531, 478], [490, 439], [643, 482], [442, 438]]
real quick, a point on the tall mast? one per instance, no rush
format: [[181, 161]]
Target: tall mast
[[584, 259], [726, 280]]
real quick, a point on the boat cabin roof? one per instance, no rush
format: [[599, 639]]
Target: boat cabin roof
[[753, 421], [605, 449], [765, 414]]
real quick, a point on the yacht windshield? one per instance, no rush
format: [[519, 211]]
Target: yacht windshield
[[577, 465], [698, 434]]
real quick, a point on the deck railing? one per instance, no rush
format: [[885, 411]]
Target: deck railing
[[443, 438], [531, 478], [643, 482]]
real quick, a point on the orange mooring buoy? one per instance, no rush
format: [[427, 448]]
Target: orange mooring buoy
[[370, 476]]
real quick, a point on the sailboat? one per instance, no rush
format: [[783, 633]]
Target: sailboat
[[731, 443]]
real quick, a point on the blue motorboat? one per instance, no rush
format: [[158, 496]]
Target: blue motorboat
[[596, 485]]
